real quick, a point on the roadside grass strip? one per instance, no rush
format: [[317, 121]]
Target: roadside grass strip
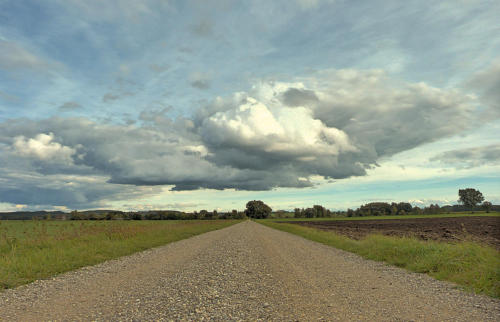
[[472, 266], [31, 250]]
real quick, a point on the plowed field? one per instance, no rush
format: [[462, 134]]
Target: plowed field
[[485, 230]]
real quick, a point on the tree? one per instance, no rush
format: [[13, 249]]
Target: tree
[[205, 214], [470, 197], [135, 216], [309, 213], [257, 209], [319, 211], [417, 210], [486, 206], [404, 207]]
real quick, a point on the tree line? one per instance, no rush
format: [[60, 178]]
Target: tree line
[[469, 199], [156, 215]]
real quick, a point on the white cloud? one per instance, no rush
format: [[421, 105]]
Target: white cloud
[[283, 131], [43, 148]]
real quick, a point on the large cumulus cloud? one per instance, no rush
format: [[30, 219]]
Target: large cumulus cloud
[[335, 124], [278, 134]]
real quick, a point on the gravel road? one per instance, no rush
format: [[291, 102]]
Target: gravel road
[[244, 272]]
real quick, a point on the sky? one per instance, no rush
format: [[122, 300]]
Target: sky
[[190, 105]]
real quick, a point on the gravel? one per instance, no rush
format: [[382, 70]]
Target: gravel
[[244, 272]]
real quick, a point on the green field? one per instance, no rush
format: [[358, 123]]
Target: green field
[[446, 215], [473, 266], [31, 250]]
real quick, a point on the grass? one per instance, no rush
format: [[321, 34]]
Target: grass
[[445, 215], [473, 266], [31, 250]]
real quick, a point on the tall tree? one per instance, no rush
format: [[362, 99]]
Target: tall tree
[[470, 197], [486, 206], [257, 209]]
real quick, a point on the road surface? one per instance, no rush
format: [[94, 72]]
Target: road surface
[[244, 272]]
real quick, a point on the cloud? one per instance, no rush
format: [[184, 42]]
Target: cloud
[[471, 157], [299, 97], [200, 80], [155, 115], [154, 156], [109, 97], [255, 136], [487, 84], [157, 68], [69, 106], [334, 124], [72, 191], [8, 97], [43, 147], [14, 57], [203, 28], [384, 117]]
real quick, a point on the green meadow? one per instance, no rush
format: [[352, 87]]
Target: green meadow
[[31, 250]]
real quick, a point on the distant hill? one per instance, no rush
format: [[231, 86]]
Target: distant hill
[[28, 215]]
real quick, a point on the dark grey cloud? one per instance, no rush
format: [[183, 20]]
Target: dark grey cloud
[[72, 191], [470, 158], [120, 156], [201, 83], [299, 97], [200, 80], [70, 106]]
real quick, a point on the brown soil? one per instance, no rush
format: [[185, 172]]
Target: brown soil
[[484, 230]]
